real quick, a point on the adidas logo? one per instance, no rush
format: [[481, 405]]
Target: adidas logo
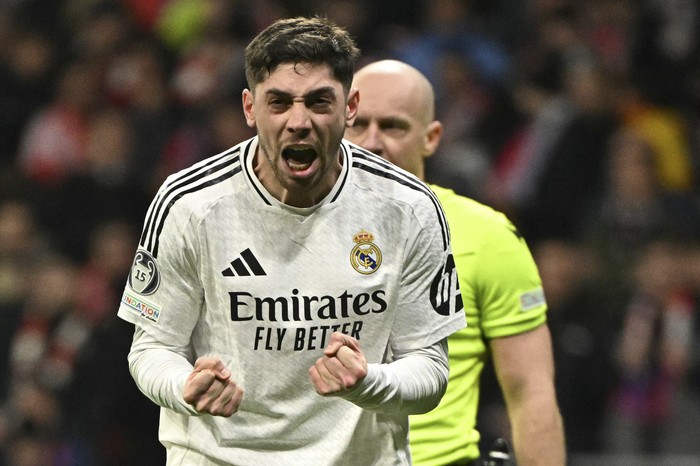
[[244, 266]]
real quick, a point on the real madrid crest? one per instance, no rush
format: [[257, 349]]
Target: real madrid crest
[[365, 257]]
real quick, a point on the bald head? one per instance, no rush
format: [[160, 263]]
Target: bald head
[[396, 115], [404, 80]]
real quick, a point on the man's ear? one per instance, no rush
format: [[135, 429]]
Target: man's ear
[[351, 107], [432, 138], [248, 108]]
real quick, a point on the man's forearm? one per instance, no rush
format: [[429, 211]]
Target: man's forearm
[[412, 384], [160, 373], [538, 434], [525, 370]]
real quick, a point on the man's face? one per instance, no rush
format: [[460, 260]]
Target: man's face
[[391, 121], [300, 113]]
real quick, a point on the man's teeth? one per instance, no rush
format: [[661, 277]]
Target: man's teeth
[[297, 166]]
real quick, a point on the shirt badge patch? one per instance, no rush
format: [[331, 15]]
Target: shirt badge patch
[[532, 299], [365, 257], [143, 308], [144, 277]]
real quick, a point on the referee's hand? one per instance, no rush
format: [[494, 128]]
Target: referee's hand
[[341, 367], [210, 389]]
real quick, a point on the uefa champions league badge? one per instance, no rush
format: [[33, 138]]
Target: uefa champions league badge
[[365, 257], [144, 277]]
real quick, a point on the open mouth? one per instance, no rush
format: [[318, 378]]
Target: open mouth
[[299, 159]]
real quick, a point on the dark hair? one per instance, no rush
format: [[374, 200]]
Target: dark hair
[[314, 40]]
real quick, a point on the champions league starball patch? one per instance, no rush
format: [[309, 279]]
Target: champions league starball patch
[[365, 257], [144, 277]]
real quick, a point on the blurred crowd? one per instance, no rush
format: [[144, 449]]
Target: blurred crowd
[[580, 119]]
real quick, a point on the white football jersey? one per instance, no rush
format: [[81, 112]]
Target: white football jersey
[[226, 268]]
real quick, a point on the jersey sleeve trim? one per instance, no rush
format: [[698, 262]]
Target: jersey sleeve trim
[[375, 165], [200, 176]]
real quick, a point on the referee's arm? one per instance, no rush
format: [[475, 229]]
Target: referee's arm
[[525, 370]]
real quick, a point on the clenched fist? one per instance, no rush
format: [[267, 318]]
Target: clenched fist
[[210, 389], [341, 367]]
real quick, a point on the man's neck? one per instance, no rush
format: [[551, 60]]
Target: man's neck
[[295, 196]]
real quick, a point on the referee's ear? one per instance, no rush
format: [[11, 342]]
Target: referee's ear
[[431, 139], [248, 107]]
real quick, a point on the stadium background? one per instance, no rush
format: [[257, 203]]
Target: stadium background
[[579, 119]]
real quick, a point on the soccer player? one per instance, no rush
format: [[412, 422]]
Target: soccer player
[[292, 296], [501, 288]]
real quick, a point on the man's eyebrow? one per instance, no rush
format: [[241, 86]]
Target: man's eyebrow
[[326, 90], [278, 92], [394, 121], [320, 91]]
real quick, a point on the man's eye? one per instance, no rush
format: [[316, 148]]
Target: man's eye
[[394, 131], [277, 103], [321, 102], [357, 128]]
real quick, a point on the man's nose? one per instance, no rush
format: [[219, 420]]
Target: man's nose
[[373, 139], [299, 120]]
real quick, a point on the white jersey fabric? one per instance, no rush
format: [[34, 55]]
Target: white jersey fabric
[[224, 269]]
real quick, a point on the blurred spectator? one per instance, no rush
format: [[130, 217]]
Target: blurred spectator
[[193, 141], [42, 353], [20, 247], [99, 29], [27, 62], [101, 276], [665, 130], [466, 107], [356, 16], [102, 189], [111, 424], [610, 31], [574, 172], [450, 26], [634, 209], [52, 145], [517, 169], [584, 326], [208, 71], [136, 80], [463, 47], [652, 352], [580, 119], [550, 168], [638, 231], [666, 51], [690, 262], [143, 12]]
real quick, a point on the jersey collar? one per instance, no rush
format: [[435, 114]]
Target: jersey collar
[[248, 150]]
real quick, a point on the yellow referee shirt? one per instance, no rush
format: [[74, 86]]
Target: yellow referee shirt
[[503, 296]]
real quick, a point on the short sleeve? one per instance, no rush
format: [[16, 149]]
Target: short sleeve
[[507, 285]]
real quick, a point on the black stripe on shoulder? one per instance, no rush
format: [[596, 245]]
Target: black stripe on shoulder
[[410, 179], [375, 165], [246, 156], [198, 187], [345, 178], [190, 177], [187, 177]]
